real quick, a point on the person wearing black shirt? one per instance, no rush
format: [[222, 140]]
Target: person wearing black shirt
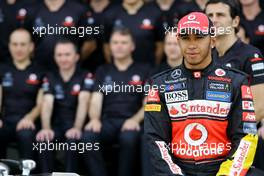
[[116, 112], [65, 102], [20, 95], [192, 6], [58, 15], [12, 16], [173, 53], [96, 17], [253, 19], [144, 22], [169, 12], [232, 52]]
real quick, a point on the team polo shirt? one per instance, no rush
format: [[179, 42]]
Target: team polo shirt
[[145, 26], [20, 89], [118, 101], [246, 58], [66, 93]]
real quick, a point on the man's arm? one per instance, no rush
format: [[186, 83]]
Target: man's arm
[[107, 52], [157, 130], [158, 52], [88, 47], [28, 121], [35, 112], [95, 112], [82, 109], [46, 111], [242, 133]]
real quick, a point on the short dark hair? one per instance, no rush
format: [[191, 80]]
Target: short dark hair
[[123, 31], [234, 7], [67, 41]]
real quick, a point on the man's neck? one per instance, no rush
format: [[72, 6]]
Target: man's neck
[[67, 74], [11, 2], [132, 9], [165, 4], [251, 11], [22, 65], [224, 42], [99, 5], [174, 62], [54, 5], [123, 64]]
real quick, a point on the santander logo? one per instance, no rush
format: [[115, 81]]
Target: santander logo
[[199, 107]]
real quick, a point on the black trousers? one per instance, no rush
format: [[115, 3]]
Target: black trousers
[[58, 144], [24, 139], [110, 134]]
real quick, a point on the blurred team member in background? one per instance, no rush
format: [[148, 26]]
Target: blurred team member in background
[[144, 22], [97, 14], [12, 16], [253, 19], [20, 95], [242, 34], [115, 116], [172, 51], [169, 12], [66, 98], [233, 52], [65, 14], [191, 6]]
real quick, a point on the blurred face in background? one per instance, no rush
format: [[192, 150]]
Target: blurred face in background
[[171, 47], [242, 35], [66, 56], [131, 2], [121, 46], [219, 14], [247, 2], [20, 45]]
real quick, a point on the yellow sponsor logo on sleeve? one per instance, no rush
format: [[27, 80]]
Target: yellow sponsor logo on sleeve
[[153, 107]]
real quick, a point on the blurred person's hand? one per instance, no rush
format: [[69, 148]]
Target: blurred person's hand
[[73, 133], [45, 135], [1, 123], [131, 125], [261, 132], [94, 126], [25, 124]]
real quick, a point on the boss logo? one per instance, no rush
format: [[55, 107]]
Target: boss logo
[[176, 96]]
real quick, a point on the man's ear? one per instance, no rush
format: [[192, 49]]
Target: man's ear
[[213, 40], [236, 21]]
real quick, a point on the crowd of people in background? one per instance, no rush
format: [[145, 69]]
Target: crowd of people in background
[[60, 59]]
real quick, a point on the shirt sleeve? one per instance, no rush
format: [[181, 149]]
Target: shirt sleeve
[[255, 67], [88, 82], [157, 130], [242, 132], [47, 85], [99, 76]]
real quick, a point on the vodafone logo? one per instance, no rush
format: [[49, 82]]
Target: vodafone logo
[[195, 134], [220, 72], [246, 92]]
